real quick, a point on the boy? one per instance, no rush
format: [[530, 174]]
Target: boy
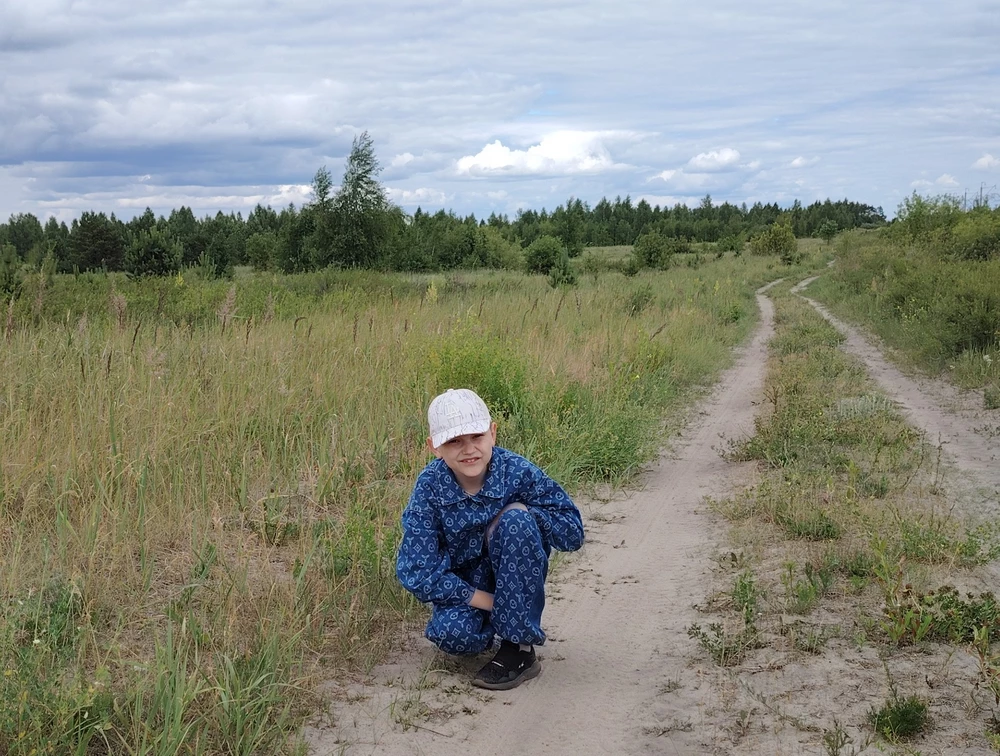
[[477, 534]]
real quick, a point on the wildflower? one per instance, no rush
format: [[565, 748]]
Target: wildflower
[[988, 359]]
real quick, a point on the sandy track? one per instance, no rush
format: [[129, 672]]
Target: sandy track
[[946, 415], [616, 622]]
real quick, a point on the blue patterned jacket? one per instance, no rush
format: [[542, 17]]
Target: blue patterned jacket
[[444, 527]]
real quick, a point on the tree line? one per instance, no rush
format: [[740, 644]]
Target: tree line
[[355, 225]]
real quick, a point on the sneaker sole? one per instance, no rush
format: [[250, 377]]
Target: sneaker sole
[[528, 674]]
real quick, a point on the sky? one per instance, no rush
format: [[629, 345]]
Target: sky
[[483, 106]]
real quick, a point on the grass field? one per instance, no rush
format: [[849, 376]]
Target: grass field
[[940, 314], [201, 481]]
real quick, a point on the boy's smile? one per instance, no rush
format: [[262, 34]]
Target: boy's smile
[[468, 456]]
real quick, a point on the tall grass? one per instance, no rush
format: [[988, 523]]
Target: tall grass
[[200, 483]]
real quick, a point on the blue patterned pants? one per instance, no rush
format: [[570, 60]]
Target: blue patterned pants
[[514, 572]]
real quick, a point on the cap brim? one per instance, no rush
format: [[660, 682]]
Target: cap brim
[[460, 430]]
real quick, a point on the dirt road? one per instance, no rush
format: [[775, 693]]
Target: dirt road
[[616, 622], [947, 416], [620, 675]]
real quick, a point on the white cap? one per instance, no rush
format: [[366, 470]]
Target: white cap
[[457, 412]]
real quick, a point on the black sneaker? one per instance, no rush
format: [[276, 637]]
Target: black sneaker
[[509, 668]]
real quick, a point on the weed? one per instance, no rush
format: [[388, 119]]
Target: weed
[[746, 598], [802, 593], [899, 718], [989, 663], [991, 396], [835, 740], [814, 526], [726, 649]]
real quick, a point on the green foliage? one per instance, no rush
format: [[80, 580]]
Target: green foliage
[[920, 218], [10, 270], [562, 273], [827, 230], [360, 213], [802, 593], [922, 300], [652, 251], [899, 718], [728, 648], [153, 253], [262, 250], [467, 359], [975, 236], [778, 240], [732, 243], [543, 254], [991, 396], [639, 300], [941, 615]]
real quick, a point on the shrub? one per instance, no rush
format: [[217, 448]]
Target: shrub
[[899, 717], [827, 230], [153, 253], [651, 250], [262, 250], [542, 254], [10, 270], [976, 236], [562, 273], [778, 240], [732, 243]]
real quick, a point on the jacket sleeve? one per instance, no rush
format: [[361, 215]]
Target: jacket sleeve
[[422, 565], [554, 511]]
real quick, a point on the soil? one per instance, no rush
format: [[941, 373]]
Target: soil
[[620, 674]]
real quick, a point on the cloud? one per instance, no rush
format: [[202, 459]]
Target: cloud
[[802, 162], [561, 152], [986, 162], [921, 184], [725, 159], [414, 197], [233, 101], [946, 180]]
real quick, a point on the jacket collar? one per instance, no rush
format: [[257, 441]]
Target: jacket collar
[[493, 487]]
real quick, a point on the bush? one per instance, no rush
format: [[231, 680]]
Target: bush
[[778, 240], [652, 251], [10, 270], [733, 243], [562, 273], [827, 230], [153, 253], [976, 236], [262, 250], [543, 253]]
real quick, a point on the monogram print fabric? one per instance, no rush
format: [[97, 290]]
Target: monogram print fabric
[[443, 557]]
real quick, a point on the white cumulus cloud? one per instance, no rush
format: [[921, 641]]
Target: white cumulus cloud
[[401, 160], [802, 162], [717, 160], [560, 152], [421, 196], [946, 180], [986, 162]]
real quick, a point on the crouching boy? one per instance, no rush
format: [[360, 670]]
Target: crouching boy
[[477, 534]]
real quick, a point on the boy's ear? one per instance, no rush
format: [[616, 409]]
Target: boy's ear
[[430, 445], [493, 432]]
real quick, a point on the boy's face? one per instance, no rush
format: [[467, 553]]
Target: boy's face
[[468, 457]]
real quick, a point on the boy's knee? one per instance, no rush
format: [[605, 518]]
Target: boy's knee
[[516, 521], [458, 630]]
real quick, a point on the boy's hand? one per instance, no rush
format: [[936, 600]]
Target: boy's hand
[[482, 600]]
